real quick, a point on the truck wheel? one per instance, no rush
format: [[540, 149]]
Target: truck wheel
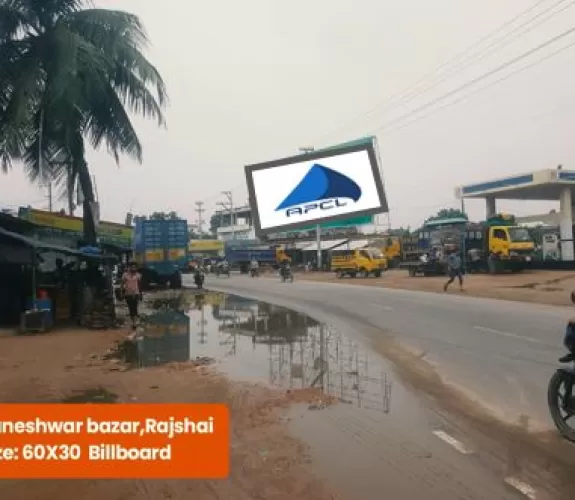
[[176, 281], [377, 274], [412, 271]]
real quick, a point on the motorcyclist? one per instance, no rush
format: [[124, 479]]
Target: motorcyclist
[[569, 343], [285, 269], [254, 266], [223, 267], [198, 277]]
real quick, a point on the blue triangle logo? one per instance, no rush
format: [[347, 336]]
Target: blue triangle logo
[[321, 183]]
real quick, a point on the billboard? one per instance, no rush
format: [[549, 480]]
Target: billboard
[[107, 232], [199, 246], [320, 187]]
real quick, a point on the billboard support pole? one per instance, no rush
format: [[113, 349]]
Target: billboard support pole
[[318, 243], [317, 226]]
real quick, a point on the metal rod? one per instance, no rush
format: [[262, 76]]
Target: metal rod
[[308, 150], [318, 243]]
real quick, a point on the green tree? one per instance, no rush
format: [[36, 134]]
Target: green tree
[[448, 213], [164, 216], [69, 76]]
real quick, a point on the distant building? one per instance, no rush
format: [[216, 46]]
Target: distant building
[[243, 224], [244, 229]]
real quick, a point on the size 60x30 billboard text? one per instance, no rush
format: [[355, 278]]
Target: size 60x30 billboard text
[[314, 188]]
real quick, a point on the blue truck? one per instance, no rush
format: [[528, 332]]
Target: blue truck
[[160, 250], [240, 255]]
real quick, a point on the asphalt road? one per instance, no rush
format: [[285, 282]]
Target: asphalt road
[[501, 353]]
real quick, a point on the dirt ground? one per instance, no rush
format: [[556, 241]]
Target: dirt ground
[[266, 462], [542, 287]]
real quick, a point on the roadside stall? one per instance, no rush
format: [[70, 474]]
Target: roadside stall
[[54, 284], [309, 252]]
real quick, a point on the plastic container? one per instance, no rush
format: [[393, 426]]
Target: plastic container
[[44, 304]]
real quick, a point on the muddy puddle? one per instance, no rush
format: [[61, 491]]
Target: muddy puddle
[[255, 341], [397, 440]]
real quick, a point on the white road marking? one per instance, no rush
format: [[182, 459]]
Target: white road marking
[[521, 487], [507, 334], [450, 440]]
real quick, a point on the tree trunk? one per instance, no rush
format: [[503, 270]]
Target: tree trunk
[[70, 193], [88, 191]]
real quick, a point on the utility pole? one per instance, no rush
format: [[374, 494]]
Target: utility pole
[[224, 208], [309, 150], [463, 249], [200, 210], [228, 195]]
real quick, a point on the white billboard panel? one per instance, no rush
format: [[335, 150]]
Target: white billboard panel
[[315, 188]]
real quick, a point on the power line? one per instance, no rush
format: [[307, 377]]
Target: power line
[[485, 87], [392, 101], [490, 49], [499, 68]]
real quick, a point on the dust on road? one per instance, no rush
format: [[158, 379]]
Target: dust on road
[[540, 287]]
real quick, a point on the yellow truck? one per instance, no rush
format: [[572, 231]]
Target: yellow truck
[[363, 262], [500, 235]]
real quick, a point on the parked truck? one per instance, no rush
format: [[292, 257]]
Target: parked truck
[[239, 255], [160, 250], [495, 245], [363, 262], [498, 244]]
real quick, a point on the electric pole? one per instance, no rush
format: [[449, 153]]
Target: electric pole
[[200, 210], [228, 195], [224, 208]]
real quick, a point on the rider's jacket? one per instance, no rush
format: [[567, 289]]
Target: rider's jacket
[[569, 340]]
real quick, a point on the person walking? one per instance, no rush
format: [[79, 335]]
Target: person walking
[[453, 262], [131, 286]]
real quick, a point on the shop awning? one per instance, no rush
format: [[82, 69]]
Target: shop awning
[[13, 254], [16, 239], [32, 243], [300, 245], [325, 245], [353, 245]]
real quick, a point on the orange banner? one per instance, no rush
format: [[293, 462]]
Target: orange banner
[[108, 441]]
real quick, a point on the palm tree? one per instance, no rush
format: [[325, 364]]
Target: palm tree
[[71, 74]]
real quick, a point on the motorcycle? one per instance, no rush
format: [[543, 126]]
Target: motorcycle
[[199, 280], [254, 273], [560, 398], [222, 270], [286, 275]]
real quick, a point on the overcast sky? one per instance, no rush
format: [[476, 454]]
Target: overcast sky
[[254, 80]]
